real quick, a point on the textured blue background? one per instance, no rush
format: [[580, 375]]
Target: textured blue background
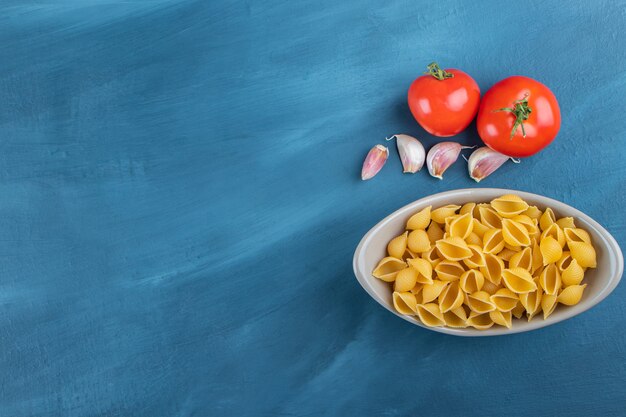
[[180, 202]]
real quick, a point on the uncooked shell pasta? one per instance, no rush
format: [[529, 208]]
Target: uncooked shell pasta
[[484, 264]]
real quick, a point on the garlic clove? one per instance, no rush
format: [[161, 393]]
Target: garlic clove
[[374, 161], [411, 151], [441, 156], [484, 161]]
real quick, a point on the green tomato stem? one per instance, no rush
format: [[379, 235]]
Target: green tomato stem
[[521, 110], [438, 73]]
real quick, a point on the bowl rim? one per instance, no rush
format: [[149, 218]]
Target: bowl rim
[[613, 247]]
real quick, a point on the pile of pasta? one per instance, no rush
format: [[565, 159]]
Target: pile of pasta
[[483, 264]]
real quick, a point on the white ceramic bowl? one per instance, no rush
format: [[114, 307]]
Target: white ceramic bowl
[[602, 280]]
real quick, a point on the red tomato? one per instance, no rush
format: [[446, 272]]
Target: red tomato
[[444, 102], [518, 117]]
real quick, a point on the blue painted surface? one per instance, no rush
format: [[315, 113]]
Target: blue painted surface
[[180, 202]]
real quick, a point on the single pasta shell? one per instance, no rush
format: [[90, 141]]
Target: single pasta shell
[[556, 232], [531, 302], [456, 318], [546, 219], [419, 220], [453, 249], [480, 321], [480, 302], [397, 246], [405, 280], [493, 242], [504, 299], [430, 292], [550, 249], [571, 295], [502, 318], [583, 253], [439, 215], [405, 303], [451, 297], [550, 279], [564, 222], [471, 281], [509, 205], [548, 304], [424, 268], [434, 232], [467, 208], [388, 268], [430, 315], [493, 268], [490, 218], [462, 226], [576, 235], [522, 259], [514, 233], [418, 241], [449, 270], [573, 274], [518, 280]]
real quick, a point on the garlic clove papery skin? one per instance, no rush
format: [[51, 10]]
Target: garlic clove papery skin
[[441, 156], [484, 161], [374, 161], [411, 151]]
